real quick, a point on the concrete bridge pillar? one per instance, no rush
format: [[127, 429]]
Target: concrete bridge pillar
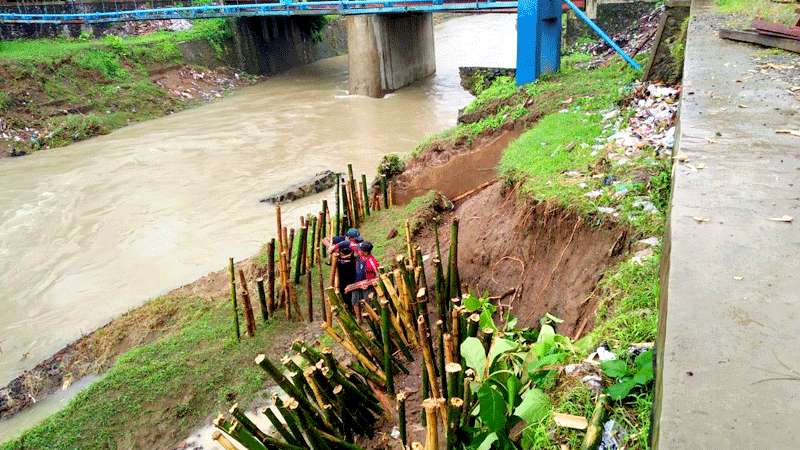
[[389, 51]]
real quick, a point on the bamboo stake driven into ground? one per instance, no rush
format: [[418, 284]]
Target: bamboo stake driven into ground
[[233, 299], [249, 317]]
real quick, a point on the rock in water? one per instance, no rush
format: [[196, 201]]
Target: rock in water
[[318, 183]]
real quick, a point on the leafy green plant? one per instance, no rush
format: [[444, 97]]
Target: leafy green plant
[[628, 377], [105, 62], [391, 165]]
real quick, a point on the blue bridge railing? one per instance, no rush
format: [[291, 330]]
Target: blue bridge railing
[[78, 12]]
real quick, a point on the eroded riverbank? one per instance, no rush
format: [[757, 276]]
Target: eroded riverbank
[[176, 196]]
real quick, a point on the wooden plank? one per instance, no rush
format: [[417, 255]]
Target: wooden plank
[[752, 37]]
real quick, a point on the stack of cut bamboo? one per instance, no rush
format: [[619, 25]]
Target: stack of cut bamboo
[[316, 411]]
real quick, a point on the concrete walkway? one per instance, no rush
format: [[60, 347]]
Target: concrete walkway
[[729, 360]]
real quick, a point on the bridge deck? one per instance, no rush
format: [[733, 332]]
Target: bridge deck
[[86, 12]]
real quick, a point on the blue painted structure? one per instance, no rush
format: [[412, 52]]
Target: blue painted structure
[[538, 21], [538, 39], [280, 8]]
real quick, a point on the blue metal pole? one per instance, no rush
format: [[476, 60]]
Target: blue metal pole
[[603, 35]]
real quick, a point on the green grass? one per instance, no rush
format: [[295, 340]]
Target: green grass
[[106, 79], [557, 159], [767, 9], [154, 46], [168, 386]]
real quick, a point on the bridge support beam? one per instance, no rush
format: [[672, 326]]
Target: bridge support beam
[[389, 51], [538, 39]]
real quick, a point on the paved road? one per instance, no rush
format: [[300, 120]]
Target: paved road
[[730, 329]]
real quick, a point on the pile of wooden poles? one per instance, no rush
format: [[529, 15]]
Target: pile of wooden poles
[[292, 256], [354, 202], [398, 324], [316, 411]]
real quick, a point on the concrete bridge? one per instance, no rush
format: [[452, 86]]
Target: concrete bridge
[[390, 43]]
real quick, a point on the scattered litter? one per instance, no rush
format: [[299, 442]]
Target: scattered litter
[[642, 255], [651, 241], [640, 347], [792, 132], [610, 115], [570, 421], [786, 219], [594, 194], [604, 354], [738, 278], [646, 205], [593, 382], [395, 434], [701, 219], [681, 157], [606, 210], [613, 436], [743, 106]]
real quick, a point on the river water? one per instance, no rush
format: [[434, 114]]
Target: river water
[[92, 230]]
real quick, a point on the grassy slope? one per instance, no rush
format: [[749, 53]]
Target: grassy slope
[[562, 140], [162, 389], [169, 386], [103, 82]]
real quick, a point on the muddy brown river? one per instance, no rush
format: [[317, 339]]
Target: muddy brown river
[[92, 230]]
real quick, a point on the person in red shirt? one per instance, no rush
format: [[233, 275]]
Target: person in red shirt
[[366, 269]]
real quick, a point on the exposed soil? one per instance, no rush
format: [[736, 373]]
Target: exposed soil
[[31, 111]]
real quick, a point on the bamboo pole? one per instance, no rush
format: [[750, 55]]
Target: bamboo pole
[[279, 426], [473, 322], [338, 229], [385, 192], [401, 418], [449, 350], [486, 338], [326, 312], [364, 360], [454, 373], [222, 440], [279, 228], [408, 242], [347, 219], [271, 276], [426, 388], [298, 262], [262, 299], [595, 429], [309, 291], [440, 354], [290, 252], [454, 289], [316, 222], [366, 193], [391, 195], [233, 299], [427, 355], [432, 433], [455, 405], [249, 317], [240, 417], [442, 301], [353, 194], [387, 349], [323, 227], [290, 388], [285, 286]]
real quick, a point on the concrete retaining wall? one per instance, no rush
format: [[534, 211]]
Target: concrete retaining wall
[[613, 16], [268, 45]]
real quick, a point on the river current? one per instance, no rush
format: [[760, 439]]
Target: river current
[[92, 230]]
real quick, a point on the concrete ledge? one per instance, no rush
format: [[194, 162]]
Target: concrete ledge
[[728, 366]]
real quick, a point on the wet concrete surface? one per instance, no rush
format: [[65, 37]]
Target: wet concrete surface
[[729, 334]]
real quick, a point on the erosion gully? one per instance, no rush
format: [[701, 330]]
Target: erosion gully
[[92, 230]]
